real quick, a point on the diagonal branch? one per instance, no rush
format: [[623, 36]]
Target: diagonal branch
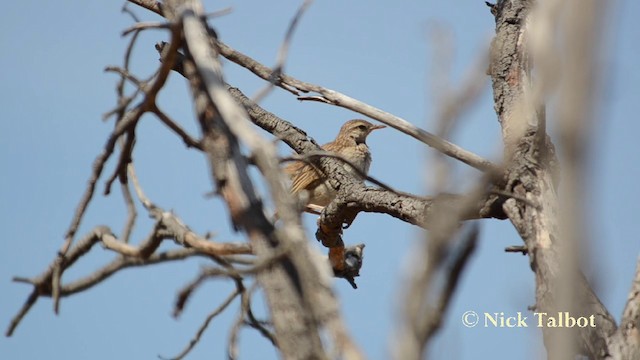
[[283, 52], [205, 324], [128, 121], [356, 197], [338, 99], [333, 97], [291, 285]]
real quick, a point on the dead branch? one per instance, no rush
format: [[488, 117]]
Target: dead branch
[[291, 284], [283, 52], [353, 196], [205, 324], [335, 98]]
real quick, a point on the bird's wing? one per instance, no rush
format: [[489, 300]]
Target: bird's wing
[[306, 176], [303, 176]]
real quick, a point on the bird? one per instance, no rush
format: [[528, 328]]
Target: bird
[[350, 143]]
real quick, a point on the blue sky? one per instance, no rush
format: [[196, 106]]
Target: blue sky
[[54, 91]]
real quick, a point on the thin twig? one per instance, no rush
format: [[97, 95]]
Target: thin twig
[[121, 263], [218, 13], [515, 196], [338, 99], [126, 10], [188, 290], [251, 319], [125, 74], [31, 300], [245, 310], [146, 202], [517, 249], [120, 170], [282, 53], [128, 121], [132, 213], [188, 140], [453, 274], [151, 5], [196, 338], [98, 166], [145, 26]]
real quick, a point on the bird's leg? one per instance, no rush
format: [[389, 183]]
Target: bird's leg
[[314, 209], [311, 208]]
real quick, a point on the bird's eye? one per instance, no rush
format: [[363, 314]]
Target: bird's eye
[[362, 127]]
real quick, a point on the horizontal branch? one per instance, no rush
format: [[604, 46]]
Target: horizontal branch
[[354, 197], [42, 284]]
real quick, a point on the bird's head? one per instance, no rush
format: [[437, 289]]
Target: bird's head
[[357, 130]]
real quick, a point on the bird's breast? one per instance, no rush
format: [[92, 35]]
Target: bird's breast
[[360, 158]]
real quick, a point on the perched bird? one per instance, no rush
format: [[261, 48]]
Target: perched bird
[[350, 144]]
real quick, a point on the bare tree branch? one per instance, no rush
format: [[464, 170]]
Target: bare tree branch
[[335, 98], [296, 280], [427, 298], [217, 311], [283, 52], [128, 121], [356, 197], [293, 284]]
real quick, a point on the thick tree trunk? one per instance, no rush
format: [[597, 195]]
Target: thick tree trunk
[[531, 175]]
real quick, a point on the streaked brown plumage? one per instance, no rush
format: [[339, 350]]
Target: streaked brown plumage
[[351, 144]]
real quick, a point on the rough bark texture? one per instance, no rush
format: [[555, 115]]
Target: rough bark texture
[[531, 175], [301, 302], [294, 319]]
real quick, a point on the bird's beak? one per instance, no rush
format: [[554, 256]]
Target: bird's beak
[[376, 127]]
